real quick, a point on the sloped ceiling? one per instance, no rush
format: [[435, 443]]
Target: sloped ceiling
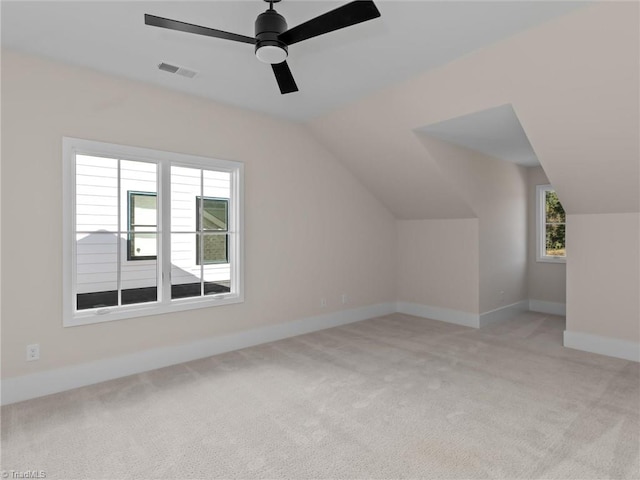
[[573, 83], [410, 37], [496, 132]]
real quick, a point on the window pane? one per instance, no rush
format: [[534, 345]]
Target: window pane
[[96, 270], [216, 184], [185, 188], [185, 273], [143, 174], [139, 280], [215, 215], [215, 248], [138, 195], [217, 276], [555, 241], [96, 194], [553, 209], [142, 209], [142, 246]]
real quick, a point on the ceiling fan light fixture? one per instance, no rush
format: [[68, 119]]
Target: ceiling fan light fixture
[[272, 54], [269, 26]]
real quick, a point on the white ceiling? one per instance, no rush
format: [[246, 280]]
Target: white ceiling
[[332, 70], [496, 132]]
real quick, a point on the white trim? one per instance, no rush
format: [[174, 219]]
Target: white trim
[[550, 259], [503, 313], [611, 347], [68, 241], [466, 319], [21, 388], [164, 216], [438, 313], [552, 308], [110, 314]]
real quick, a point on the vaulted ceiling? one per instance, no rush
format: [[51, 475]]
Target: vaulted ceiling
[[568, 71], [496, 132], [573, 84], [332, 70]]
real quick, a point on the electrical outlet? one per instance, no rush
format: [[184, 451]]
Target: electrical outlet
[[344, 298], [33, 352], [323, 302]]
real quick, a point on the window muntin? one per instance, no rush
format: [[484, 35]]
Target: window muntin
[[551, 224], [119, 261]]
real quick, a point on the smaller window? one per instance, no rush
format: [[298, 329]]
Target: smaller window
[[550, 225], [142, 226], [212, 224]]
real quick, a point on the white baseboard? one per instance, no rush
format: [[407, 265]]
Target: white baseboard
[[552, 308], [611, 347], [16, 389], [466, 319], [437, 313], [503, 313]]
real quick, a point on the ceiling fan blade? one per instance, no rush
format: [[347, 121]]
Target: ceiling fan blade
[[198, 30], [345, 16], [283, 75]]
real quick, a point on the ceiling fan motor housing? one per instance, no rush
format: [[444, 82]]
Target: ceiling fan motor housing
[[269, 25]]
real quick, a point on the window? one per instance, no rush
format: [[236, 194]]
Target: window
[[134, 242], [213, 230], [141, 244], [551, 245]]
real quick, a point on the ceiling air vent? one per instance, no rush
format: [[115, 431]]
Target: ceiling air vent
[[185, 72]]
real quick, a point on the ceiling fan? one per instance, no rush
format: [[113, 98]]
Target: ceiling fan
[[272, 37]]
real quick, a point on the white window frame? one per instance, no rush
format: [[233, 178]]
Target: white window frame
[[75, 146], [541, 227]]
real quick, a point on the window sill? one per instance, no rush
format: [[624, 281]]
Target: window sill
[[551, 259], [101, 315]]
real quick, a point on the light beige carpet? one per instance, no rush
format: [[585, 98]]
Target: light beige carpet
[[393, 397]]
